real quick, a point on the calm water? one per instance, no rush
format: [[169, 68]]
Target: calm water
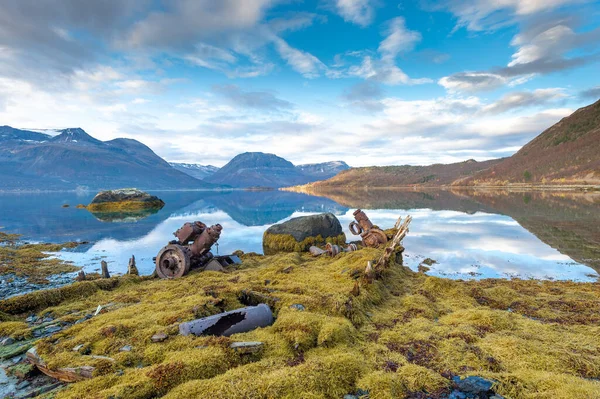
[[470, 235]]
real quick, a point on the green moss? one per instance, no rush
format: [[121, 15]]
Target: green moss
[[401, 336], [123, 206], [274, 243], [45, 298], [32, 260]]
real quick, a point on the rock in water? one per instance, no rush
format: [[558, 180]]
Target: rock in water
[[298, 234], [126, 199]]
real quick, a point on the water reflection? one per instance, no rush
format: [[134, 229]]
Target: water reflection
[[470, 235]]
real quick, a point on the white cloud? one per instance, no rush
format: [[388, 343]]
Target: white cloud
[[519, 100], [383, 69], [478, 15], [472, 81], [399, 39], [360, 12], [186, 21], [302, 62], [547, 44]]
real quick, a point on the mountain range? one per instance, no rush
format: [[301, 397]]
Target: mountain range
[[38, 161], [195, 170], [257, 169], [71, 159], [564, 154]]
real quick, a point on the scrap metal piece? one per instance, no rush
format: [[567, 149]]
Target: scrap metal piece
[[331, 249], [173, 261], [371, 235], [190, 250], [228, 323]]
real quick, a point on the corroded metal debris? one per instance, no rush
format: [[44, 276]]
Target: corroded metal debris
[[331, 249], [228, 323], [191, 250], [371, 235]]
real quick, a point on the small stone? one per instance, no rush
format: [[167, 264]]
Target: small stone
[[31, 319], [98, 310], [52, 329], [16, 359], [348, 396], [78, 348], [246, 347], [47, 319], [474, 385], [22, 385], [7, 341], [126, 348], [160, 337], [298, 307]]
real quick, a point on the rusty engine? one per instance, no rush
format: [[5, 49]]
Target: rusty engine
[[190, 250], [370, 234]]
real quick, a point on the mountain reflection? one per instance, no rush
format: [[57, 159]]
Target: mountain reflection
[[470, 234]]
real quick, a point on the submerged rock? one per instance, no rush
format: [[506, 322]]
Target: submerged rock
[[298, 234], [127, 199]]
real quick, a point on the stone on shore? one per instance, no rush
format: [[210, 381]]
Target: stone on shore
[[298, 234]]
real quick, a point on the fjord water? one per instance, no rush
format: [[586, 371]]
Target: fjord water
[[469, 234]]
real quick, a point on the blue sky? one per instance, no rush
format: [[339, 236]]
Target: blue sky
[[370, 82]]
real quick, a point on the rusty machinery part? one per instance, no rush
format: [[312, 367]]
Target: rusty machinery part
[[374, 238], [333, 249], [206, 239], [352, 247], [371, 235], [189, 231], [173, 261]]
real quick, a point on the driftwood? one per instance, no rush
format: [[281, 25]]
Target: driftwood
[[382, 263], [228, 323], [65, 374]]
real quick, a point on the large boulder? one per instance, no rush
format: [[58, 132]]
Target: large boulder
[[298, 234], [126, 199]]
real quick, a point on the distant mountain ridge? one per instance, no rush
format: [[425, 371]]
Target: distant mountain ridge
[[195, 170], [258, 169], [36, 161], [398, 176], [566, 153]]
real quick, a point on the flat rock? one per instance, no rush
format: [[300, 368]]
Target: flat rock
[[160, 337], [7, 341], [324, 224]]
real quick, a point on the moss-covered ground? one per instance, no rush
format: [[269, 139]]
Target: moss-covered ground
[[123, 206], [405, 335], [31, 260], [274, 243]]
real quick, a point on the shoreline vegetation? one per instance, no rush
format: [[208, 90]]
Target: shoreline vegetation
[[32, 261], [337, 332]]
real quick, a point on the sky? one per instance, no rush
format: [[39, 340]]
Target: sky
[[369, 82]]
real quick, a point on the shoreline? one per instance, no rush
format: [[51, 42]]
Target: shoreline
[[402, 332]]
